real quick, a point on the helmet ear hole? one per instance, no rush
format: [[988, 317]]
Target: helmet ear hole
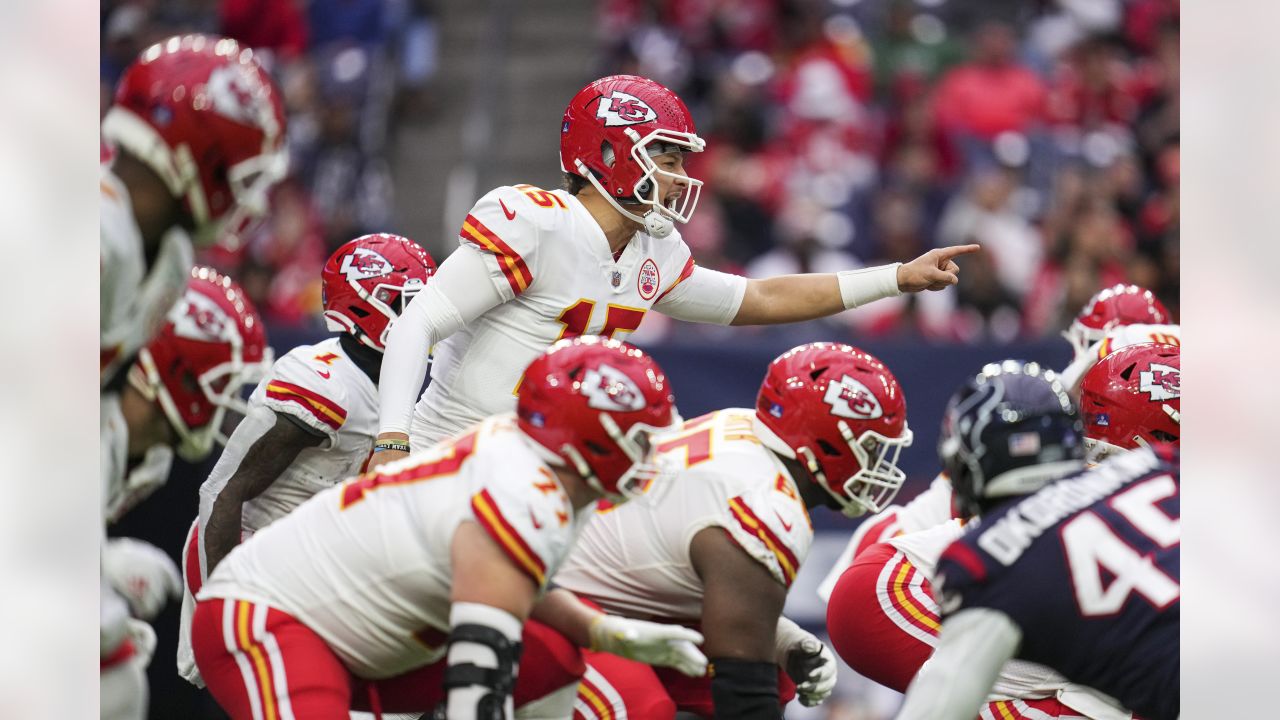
[[827, 448], [596, 448], [358, 311], [816, 373]]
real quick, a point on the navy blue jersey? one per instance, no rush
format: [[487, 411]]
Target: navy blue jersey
[[1088, 569]]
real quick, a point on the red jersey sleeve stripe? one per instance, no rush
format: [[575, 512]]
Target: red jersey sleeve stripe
[[325, 410], [749, 522], [513, 266], [491, 519], [684, 274]]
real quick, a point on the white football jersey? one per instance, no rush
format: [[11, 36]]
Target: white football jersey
[[133, 298], [551, 264], [323, 388], [634, 559], [366, 564], [1120, 337]]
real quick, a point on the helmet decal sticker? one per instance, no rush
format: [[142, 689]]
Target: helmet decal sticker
[[364, 263], [1161, 382], [198, 317], [620, 108], [609, 389], [851, 399]]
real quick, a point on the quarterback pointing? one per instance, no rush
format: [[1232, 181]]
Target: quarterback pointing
[[537, 265]]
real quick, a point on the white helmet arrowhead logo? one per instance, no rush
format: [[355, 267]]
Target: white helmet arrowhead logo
[[622, 108], [197, 317], [609, 389], [851, 399], [1161, 382], [363, 263]]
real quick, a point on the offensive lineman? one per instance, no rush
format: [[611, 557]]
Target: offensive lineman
[[722, 547], [1114, 318], [355, 598], [535, 265], [1050, 571]]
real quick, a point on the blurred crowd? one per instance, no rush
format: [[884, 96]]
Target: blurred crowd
[[346, 68], [855, 132], [840, 133]]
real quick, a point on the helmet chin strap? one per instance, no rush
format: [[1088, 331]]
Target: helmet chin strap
[[655, 223]]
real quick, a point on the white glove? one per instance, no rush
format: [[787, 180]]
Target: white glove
[[144, 640], [142, 573], [650, 643], [807, 661], [145, 479]]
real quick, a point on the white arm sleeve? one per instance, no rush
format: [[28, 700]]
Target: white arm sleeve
[[458, 293], [972, 647], [706, 296]]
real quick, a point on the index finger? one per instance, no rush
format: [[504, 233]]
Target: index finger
[[946, 253]]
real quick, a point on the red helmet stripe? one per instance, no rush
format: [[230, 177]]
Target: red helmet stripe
[[513, 266], [502, 532], [325, 410]]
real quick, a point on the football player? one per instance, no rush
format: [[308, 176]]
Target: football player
[[410, 585], [1132, 399], [882, 616], [177, 394], [1071, 568], [196, 140], [312, 419], [1117, 317], [537, 265], [721, 547]]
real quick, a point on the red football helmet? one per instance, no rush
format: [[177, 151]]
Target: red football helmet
[[368, 282], [210, 346], [1113, 307], [610, 133], [840, 412], [1132, 398], [203, 114], [594, 403]]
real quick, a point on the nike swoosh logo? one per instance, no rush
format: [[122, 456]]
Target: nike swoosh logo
[[533, 518], [785, 525], [323, 373], [510, 215]]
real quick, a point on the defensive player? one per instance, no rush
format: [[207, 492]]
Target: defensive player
[[311, 421], [535, 265], [720, 549], [355, 598], [177, 393], [1117, 317], [1070, 568], [196, 135]]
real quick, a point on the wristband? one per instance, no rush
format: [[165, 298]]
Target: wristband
[[398, 445], [859, 287]]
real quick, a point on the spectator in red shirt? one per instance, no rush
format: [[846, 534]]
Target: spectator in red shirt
[[993, 93], [275, 25]]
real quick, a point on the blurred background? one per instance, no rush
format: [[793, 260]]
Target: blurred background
[[840, 133]]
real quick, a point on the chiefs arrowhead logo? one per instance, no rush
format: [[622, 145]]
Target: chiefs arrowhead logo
[[363, 263], [609, 389], [851, 399], [622, 108], [1161, 382], [197, 317]]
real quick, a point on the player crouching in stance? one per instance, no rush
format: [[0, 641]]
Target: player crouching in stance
[[1050, 572], [311, 421], [720, 548], [177, 393], [409, 586]]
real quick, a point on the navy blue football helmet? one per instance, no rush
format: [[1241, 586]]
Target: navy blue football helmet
[[1008, 432]]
